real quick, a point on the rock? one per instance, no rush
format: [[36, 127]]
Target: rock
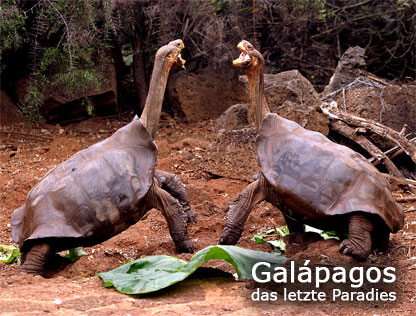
[[234, 117], [62, 104], [205, 95], [392, 105], [8, 111], [288, 94], [350, 66], [307, 117], [287, 85]]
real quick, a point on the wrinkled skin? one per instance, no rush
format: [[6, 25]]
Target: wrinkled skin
[[102, 190], [311, 180], [171, 183]]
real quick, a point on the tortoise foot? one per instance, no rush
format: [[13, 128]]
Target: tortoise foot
[[185, 247], [354, 249], [229, 238]]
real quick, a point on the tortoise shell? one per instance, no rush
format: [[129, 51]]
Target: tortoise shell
[[313, 178], [92, 196]]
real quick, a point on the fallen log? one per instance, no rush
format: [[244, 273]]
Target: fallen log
[[373, 126], [406, 199], [372, 149]]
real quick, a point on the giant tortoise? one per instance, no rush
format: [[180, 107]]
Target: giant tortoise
[[102, 190], [311, 179]]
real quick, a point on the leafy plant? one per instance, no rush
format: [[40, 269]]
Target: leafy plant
[[274, 237], [150, 274], [9, 253], [75, 253]]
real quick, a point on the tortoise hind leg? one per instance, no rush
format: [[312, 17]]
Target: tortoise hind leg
[[35, 259], [173, 212], [358, 244]]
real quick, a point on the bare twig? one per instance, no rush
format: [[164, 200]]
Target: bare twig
[[406, 199]]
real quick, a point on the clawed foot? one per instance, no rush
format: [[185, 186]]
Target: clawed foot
[[229, 237], [185, 247], [190, 217], [352, 248]]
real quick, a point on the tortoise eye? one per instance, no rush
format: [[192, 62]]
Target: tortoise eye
[[249, 47]]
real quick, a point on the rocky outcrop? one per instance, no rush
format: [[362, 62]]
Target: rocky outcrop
[[350, 66], [392, 104]]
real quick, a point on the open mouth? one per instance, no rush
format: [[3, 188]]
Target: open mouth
[[180, 61], [242, 60]]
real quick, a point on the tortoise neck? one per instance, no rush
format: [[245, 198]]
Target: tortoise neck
[[258, 108], [153, 106]]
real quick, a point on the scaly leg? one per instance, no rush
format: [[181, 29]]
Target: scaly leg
[[240, 209], [174, 186], [35, 259], [173, 212], [358, 244]]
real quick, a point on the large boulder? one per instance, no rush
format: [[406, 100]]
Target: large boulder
[[62, 104], [288, 94], [203, 95], [8, 111], [235, 117], [350, 66], [287, 85], [391, 104]]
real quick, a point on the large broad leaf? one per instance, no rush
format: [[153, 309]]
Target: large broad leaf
[[153, 273], [8, 253]]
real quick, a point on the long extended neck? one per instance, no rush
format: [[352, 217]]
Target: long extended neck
[[258, 106], [153, 107]]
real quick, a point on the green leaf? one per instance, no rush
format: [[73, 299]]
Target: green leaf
[[324, 234], [153, 273], [278, 245], [75, 253], [258, 239], [8, 253]]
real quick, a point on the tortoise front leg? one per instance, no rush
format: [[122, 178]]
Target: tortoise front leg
[[240, 209], [174, 186], [358, 244], [174, 215], [35, 259]]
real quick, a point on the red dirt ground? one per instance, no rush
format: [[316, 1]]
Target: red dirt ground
[[29, 151]]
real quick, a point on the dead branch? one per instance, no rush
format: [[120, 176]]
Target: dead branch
[[406, 199], [378, 128], [395, 151], [372, 149]]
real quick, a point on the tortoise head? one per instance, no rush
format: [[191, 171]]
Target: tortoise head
[[170, 55], [166, 57], [250, 58]]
